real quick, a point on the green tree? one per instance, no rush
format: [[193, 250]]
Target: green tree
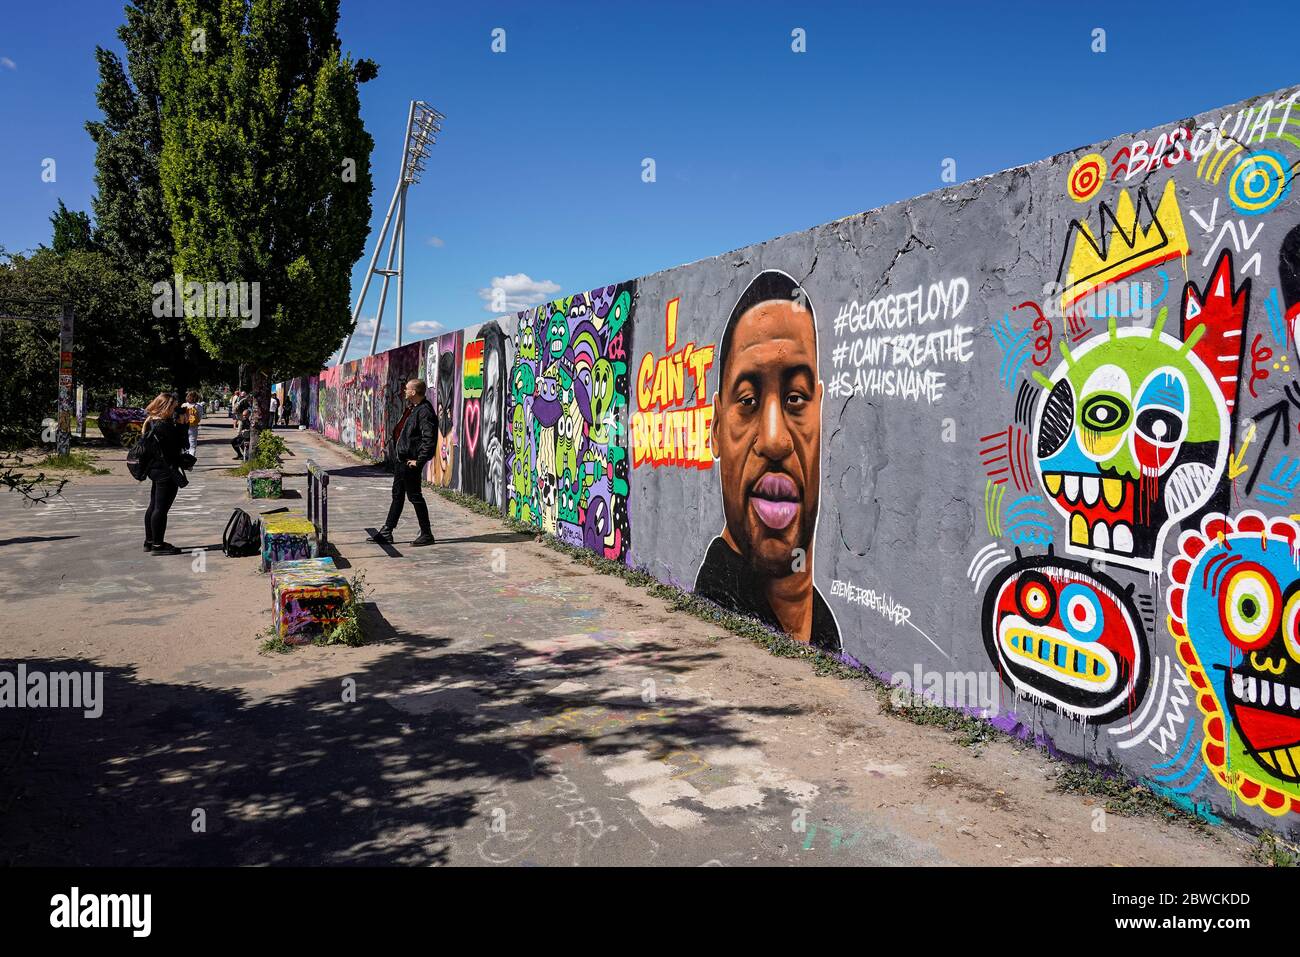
[[106, 347], [72, 230], [266, 176], [131, 222]]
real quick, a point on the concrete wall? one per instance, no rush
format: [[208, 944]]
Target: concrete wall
[[1023, 444]]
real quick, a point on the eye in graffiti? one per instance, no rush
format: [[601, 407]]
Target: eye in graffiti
[[1161, 420], [1056, 420], [1082, 612], [1249, 605], [1105, 413], [1036, 597]]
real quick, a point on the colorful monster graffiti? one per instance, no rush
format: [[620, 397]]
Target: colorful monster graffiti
[[568, 430], [1234, 611], [484, 369], [1068, 637], [1130, 429]]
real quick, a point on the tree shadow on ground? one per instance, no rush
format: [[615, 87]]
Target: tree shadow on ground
[[388, 774]]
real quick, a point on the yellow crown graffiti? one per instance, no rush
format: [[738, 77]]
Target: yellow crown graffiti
[[1139, 237]]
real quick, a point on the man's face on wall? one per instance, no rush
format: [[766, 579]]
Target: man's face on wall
[[766, 435]]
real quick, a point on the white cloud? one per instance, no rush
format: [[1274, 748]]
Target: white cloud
[[425, 327], [516, 292], [7, 63], [437, 241]]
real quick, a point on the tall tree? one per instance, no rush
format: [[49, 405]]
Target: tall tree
[[72, 230], [266, 176], [131, 221]]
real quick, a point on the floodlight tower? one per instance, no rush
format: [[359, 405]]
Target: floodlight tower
[[423, 123]]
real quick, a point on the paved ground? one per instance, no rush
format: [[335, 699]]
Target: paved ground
[[499, 717]]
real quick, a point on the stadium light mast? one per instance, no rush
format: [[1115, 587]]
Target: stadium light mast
[[423, 124]]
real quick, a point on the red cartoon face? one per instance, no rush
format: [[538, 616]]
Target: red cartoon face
[[1067, 636]]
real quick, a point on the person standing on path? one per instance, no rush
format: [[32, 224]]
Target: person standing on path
[[167, 458], [191, 415], [412, 448], [274, 411]]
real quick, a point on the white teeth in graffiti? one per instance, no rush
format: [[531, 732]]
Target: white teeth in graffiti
[[1101, 536], [1274, 694], [1072, 488], [1091, 489], [1121, 538]]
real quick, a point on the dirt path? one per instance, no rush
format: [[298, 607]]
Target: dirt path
[[516, 708]]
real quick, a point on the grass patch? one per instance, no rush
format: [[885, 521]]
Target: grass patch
[[72, 462], [270, 453], [272, 643], [1270, 851], [351, 631], [1119, 795]]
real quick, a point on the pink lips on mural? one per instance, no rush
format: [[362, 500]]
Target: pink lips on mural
[[776, 500]]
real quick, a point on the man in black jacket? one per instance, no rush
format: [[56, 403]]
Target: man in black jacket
[[411, 449]]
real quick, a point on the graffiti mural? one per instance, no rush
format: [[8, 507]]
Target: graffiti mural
[[1234, 610], [485, 369], [568, 446], [442, 376], [1031, 441], [766, 434], [1068, 637]]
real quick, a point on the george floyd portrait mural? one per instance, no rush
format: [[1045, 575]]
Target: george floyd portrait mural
[[1022, 445]]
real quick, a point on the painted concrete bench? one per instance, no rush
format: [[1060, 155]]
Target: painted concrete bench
[[287, 536], [265, 483], [308, 598]]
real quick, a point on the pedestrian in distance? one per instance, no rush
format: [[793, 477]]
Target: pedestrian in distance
[[274, 410], [190, 416], [167, 462], [410, 449]]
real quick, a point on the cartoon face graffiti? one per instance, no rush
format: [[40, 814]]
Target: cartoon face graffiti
[[1129, 439], [568, 498], [527, 338], [1067, 636], [1234, 607], [557, 337], [602, 400]]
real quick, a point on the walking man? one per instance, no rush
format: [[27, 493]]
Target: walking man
[[411, 449]]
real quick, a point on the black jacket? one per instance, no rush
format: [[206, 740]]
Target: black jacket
[[415, 440], [170, 442], [726, 579]]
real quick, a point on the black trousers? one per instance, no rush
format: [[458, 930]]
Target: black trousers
[[406, 485], [155, 516]]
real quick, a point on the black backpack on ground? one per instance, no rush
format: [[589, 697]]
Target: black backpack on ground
[[141, 456], [242, 536]]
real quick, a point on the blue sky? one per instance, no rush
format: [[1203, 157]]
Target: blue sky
[[538, 170]]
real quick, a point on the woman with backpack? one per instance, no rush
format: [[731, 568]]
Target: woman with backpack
[[167, 458]]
